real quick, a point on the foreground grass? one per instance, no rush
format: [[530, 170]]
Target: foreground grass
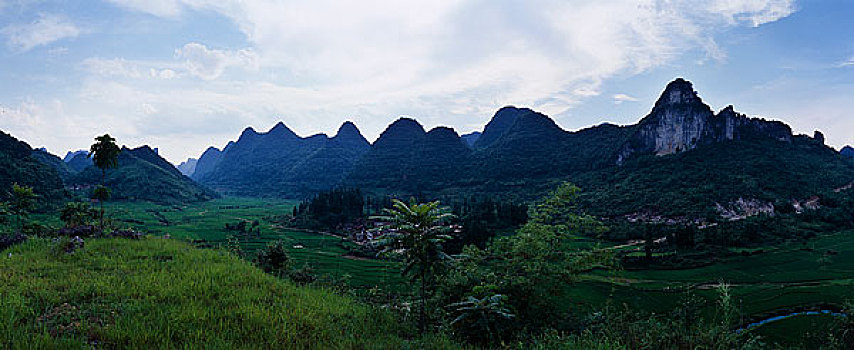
[[160, 293]]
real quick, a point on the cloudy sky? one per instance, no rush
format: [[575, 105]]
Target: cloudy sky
[[183, 75]]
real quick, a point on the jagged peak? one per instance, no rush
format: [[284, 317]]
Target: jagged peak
[[248, 132], [281, 130], [678, 91], [348, 128], [350, 133]]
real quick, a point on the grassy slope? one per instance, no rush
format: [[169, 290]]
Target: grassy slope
[[158, 293]]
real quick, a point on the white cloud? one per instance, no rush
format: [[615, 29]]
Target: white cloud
[[755, 12], [314, 64], [847, 63], [45, 30], [209, 64], [620, 98]]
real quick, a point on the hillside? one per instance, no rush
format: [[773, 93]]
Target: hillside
[[680, 159], [54, 162], [144, 175], [405, 159], [847, 151], [17, 165], [159, 293], [280, 163]]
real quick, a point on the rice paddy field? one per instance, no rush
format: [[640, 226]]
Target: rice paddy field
[[325, 254], [766, 282]]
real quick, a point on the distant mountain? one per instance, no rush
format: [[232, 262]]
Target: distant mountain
[[280, 163], [471, 138], [680, 121], [681, 159], [847, 151], [70, 155], [19, 165], [188, 167], [143, 175], [79, 162], [43, 156], [406, 159]]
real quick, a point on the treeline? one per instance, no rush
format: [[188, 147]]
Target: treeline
[[328, 210], [477, 219]]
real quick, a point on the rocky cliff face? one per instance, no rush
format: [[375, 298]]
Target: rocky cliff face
[[680, 121], [188, 167]]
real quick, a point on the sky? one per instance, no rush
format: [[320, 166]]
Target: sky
[[183, 75]]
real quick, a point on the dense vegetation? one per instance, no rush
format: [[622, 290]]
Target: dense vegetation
[[143, 175], [17, 165], [691, 183]]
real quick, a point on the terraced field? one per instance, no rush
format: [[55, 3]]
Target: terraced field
[[325, 254], [768, 282]]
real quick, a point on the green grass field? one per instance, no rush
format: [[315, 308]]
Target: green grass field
[[325, 254], [165, 294], [794, 276]]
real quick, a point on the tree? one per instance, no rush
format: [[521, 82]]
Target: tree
[[274, 259], [479, 318], [23, 200], [75, 214], [105, 154], [417, 232]]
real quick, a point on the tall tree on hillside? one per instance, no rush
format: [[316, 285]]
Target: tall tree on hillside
[[105, 154], [417, 231], [23, 200]]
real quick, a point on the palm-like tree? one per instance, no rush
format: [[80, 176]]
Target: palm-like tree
[[416, 231], [481, 316], [105, 154]]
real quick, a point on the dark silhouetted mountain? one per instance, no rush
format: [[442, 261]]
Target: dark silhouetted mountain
[[471, 138], [70, 155], [407, 160], [208, 161], [280, 163], [681, 153], [500, 123], [79, 162], [143, 175], [17, 165], [847, 151], [188, 167], [45, 157]]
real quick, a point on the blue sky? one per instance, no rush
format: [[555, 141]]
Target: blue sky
[[183, 75]]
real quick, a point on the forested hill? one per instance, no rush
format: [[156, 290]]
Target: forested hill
[[144, 175], [680, 159], [847, 151], [18, 165], [280, 163]]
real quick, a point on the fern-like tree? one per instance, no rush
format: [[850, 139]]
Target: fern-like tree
[[23, 201], [105, 154], [416, 232], [480, 319]]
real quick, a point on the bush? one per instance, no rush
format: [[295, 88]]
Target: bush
[[7, 241], [274, 259]]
